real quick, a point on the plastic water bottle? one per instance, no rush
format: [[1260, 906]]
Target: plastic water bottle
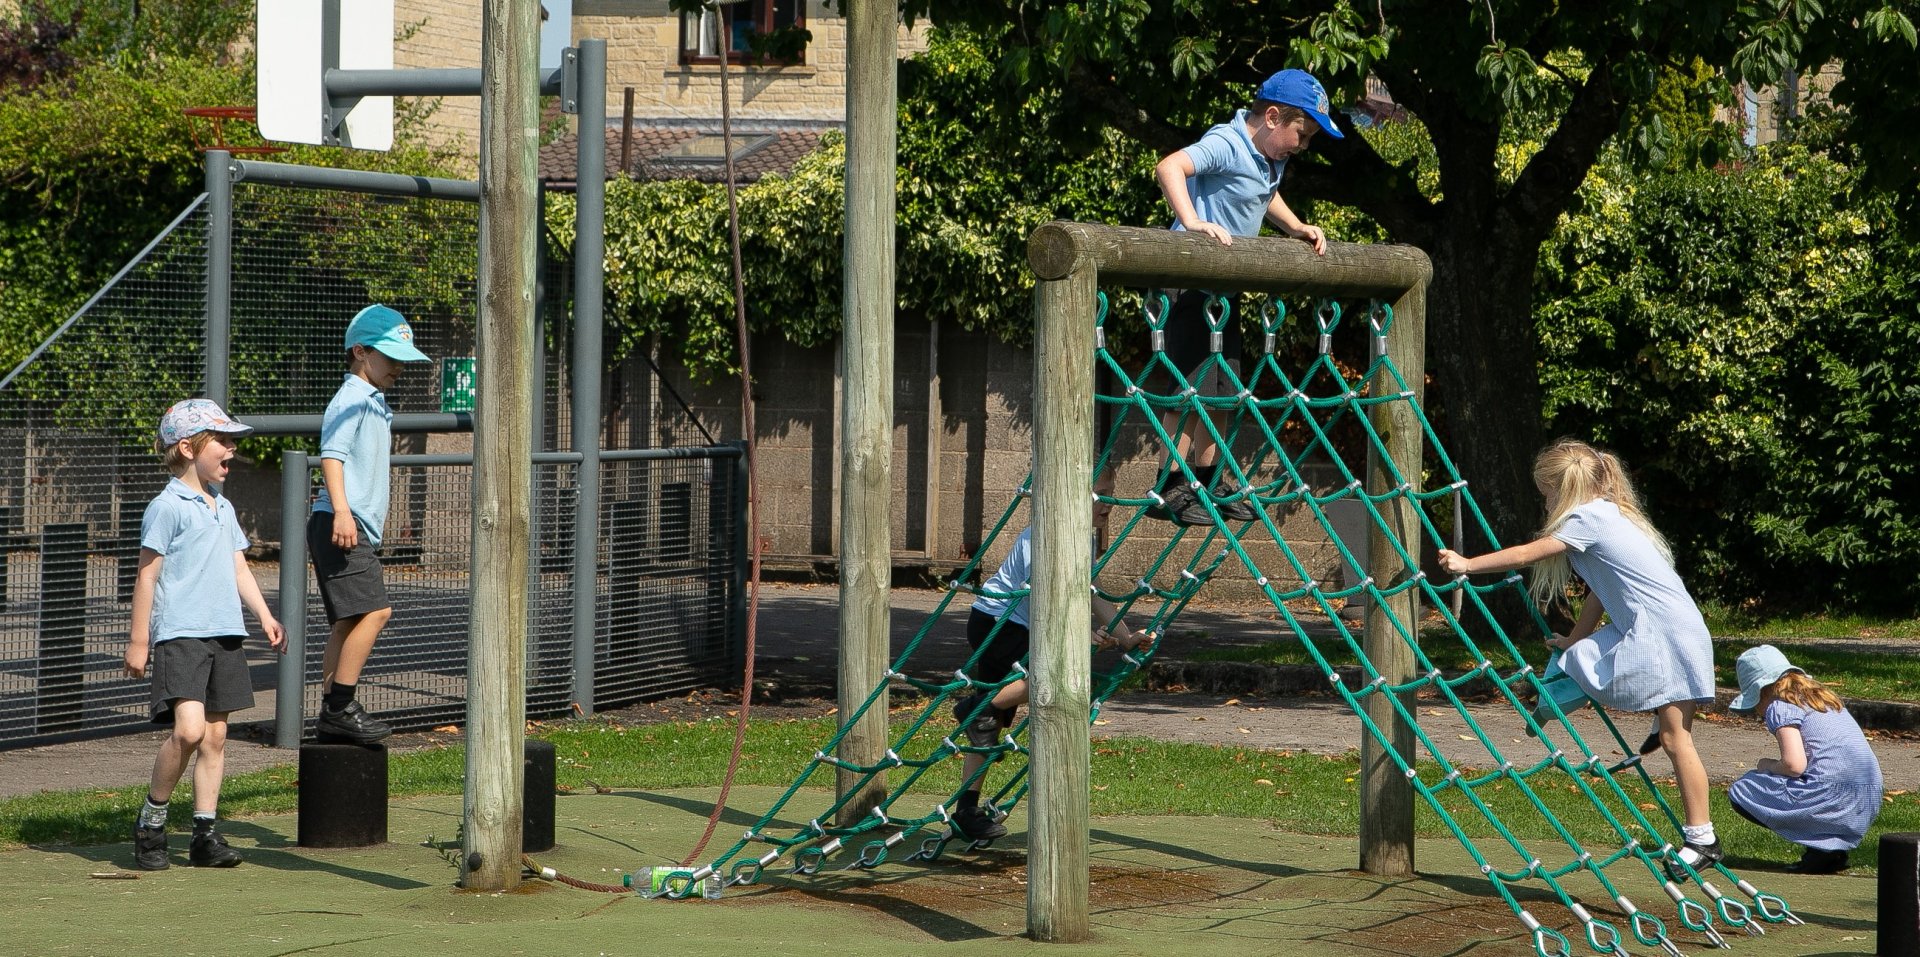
[[711, 887]]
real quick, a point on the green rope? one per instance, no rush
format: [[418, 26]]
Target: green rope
[[1322, 406]]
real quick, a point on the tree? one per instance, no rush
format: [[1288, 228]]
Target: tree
[[1518, 99]]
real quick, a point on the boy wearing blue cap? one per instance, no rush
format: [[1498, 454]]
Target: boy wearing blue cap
[[187, 632], [356, 445], [1224, 186]]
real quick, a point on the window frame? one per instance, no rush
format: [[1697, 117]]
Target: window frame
[[690, 55]]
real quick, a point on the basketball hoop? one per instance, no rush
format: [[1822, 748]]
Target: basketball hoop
[[216, 118]]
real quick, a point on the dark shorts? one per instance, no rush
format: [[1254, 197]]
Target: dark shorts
[[1189, 338], [351, 583], [1009, 645], [212, 671]]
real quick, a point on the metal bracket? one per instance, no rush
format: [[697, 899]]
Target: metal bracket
[[570, 80]]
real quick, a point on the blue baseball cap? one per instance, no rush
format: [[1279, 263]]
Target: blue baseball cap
[[379, 327], [1299, 88]]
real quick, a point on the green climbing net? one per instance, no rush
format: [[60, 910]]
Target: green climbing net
[[1296, 426]]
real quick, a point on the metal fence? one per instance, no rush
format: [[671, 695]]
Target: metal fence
[[77, 470]]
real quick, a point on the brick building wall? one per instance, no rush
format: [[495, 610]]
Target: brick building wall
[[643, 52], [440, 34]]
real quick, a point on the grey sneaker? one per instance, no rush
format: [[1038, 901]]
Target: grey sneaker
[[351, 724], [149, 847], [210, 850], [975, 824]]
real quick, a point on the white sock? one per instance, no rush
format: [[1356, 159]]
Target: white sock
[[1698, 834]]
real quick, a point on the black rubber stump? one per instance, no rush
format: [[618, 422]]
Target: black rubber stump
[[1899, 933], [343, 795], [537, 799]]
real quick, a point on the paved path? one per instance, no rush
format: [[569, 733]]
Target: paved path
[[797, 635]]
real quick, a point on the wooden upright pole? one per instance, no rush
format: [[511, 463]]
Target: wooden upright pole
[[866, 426], [1386, 796], [1060, 664], [502, 444]]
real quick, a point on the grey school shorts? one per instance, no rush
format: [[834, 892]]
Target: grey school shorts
[[1188, 339], [212, 671], [351, 582]]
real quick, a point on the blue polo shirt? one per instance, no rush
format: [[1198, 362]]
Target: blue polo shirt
[[1014, 575], [198, 594], [358, 432], [1232, 183]]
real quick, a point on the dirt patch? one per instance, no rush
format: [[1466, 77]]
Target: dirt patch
[[983, 895]]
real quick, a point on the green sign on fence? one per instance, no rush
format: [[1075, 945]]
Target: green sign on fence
[[456, 384]]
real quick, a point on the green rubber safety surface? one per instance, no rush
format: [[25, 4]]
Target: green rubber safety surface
[[1159, 885]]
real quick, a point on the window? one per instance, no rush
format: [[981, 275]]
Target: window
[[700, 40]]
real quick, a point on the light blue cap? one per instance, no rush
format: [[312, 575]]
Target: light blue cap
[[1757, 668], [380, 327]]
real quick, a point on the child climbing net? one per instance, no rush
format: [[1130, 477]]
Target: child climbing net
[[1299, 427]]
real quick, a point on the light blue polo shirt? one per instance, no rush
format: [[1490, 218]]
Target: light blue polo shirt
[[1014, 575], [1232, 183], [357, 431], [198, 595]]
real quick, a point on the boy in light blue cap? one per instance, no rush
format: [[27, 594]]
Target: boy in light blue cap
[[356, 446], [1225, 186]]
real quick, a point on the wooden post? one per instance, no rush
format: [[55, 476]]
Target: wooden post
[[1386, 796], [502, 445], [866, 349], [1060, 663]]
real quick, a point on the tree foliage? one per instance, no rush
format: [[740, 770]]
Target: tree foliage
[[973, 183], [1518, 99], [96, 155], [1739, 336]]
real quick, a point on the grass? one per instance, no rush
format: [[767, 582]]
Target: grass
[[1852, 672], [1297, 792], [1732, 622]]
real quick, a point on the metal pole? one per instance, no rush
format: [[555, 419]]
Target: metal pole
[[441, 81], [866, 348], [354, 181], [502, 447], [1061, 662], [1386, 796], [219, 180], [589, 285], [290, 695]]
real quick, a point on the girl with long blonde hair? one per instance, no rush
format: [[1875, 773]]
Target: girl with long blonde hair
[[1654, 653]]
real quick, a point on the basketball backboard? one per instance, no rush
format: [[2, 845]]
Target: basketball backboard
[[297, 42]]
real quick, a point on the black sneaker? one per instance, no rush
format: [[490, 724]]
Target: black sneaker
[[150, 847], [975, 824], [210, 850], [1652, 743], [1704, 856], [351, 724], [1181, 507], [983, 728], [1816, 861], [1243, 510], [1174, 502]]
